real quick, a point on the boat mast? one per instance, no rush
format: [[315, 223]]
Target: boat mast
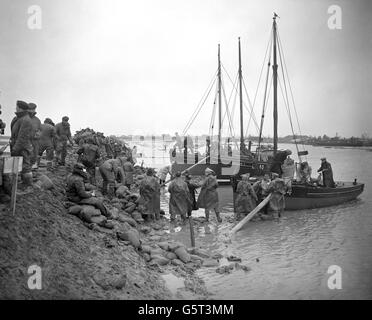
[[219, 105], [275, 84], [241, 100]]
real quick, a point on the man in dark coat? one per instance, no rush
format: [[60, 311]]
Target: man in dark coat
[[47, 142], [20, 141], [192, 189], [180, 199], [35, 137], [326, 170], [150, 195], [128, 170], [208, 197], [89, 155], [77, 193], [63, 134]]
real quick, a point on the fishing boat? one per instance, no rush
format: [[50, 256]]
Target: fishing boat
[[303, 195]]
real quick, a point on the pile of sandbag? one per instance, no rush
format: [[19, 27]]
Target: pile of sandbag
[[129, 203], [174, 253], [89, 214]]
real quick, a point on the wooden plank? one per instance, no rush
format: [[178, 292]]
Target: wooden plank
[[192, 236], [241, 224]]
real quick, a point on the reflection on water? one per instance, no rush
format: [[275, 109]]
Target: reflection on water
[[289, 258]]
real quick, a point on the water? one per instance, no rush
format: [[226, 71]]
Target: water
[[295, 252]]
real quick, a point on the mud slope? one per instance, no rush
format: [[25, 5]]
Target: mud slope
[[77, 263]]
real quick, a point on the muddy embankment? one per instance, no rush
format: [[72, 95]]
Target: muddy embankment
[[84, 258]]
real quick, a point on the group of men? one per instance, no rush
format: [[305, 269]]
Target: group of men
[[182, 199], [30, 139]]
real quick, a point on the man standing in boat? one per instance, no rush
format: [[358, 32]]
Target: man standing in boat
[[326, 170]]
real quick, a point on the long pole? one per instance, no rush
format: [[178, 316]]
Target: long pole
[[219, 106], [241, 100], [275, 85]]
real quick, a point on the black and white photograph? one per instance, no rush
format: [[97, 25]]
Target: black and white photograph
[[198, 152]]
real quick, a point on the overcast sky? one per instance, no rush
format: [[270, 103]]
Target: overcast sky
[[139, 67]]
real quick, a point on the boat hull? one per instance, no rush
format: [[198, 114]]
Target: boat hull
[[312, 197], [308, 197]]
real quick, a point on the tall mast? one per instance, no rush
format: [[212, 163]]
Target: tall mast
[[275, 84], [241, 100], [219, 105]]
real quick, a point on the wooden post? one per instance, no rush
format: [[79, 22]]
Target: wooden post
[[192, 236], [14, 184]]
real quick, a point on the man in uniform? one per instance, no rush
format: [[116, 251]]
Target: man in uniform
[[47, 142], [35, 136], [63, 134], [20, 141], [208, 197], [89, 156]]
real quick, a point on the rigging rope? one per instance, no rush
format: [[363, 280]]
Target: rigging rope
[[200, 104], [290, 88]]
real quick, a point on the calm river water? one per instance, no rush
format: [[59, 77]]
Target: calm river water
[[289, 258]]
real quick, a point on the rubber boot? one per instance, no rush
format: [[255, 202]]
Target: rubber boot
[[111, 190], [27, 179], [49, 165], [38, 161], [219, 219], [206, 215]]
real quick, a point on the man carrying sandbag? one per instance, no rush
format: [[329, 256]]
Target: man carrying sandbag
[[110, 170]]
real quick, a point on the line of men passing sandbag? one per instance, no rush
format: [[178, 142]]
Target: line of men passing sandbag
[[30, 139], [113, 171]]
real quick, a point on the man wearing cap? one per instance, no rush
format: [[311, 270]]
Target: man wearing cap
[[76, 191], [208, 197], [35, 137], [63, 134], [89, 156], [20, 141], [326, 170], [47, 142]]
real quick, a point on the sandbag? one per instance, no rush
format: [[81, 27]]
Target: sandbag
[[171, 255], [45, 182], [175, 245], [121, 192], [164, 245], [146, 249], [114, 213], [88, 212], [132, 236], [177, 262], [131, 208], [156, 252], [182, 254], [75, 210], [137, 216], [159, 260], [129, 220], [100, 220]]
